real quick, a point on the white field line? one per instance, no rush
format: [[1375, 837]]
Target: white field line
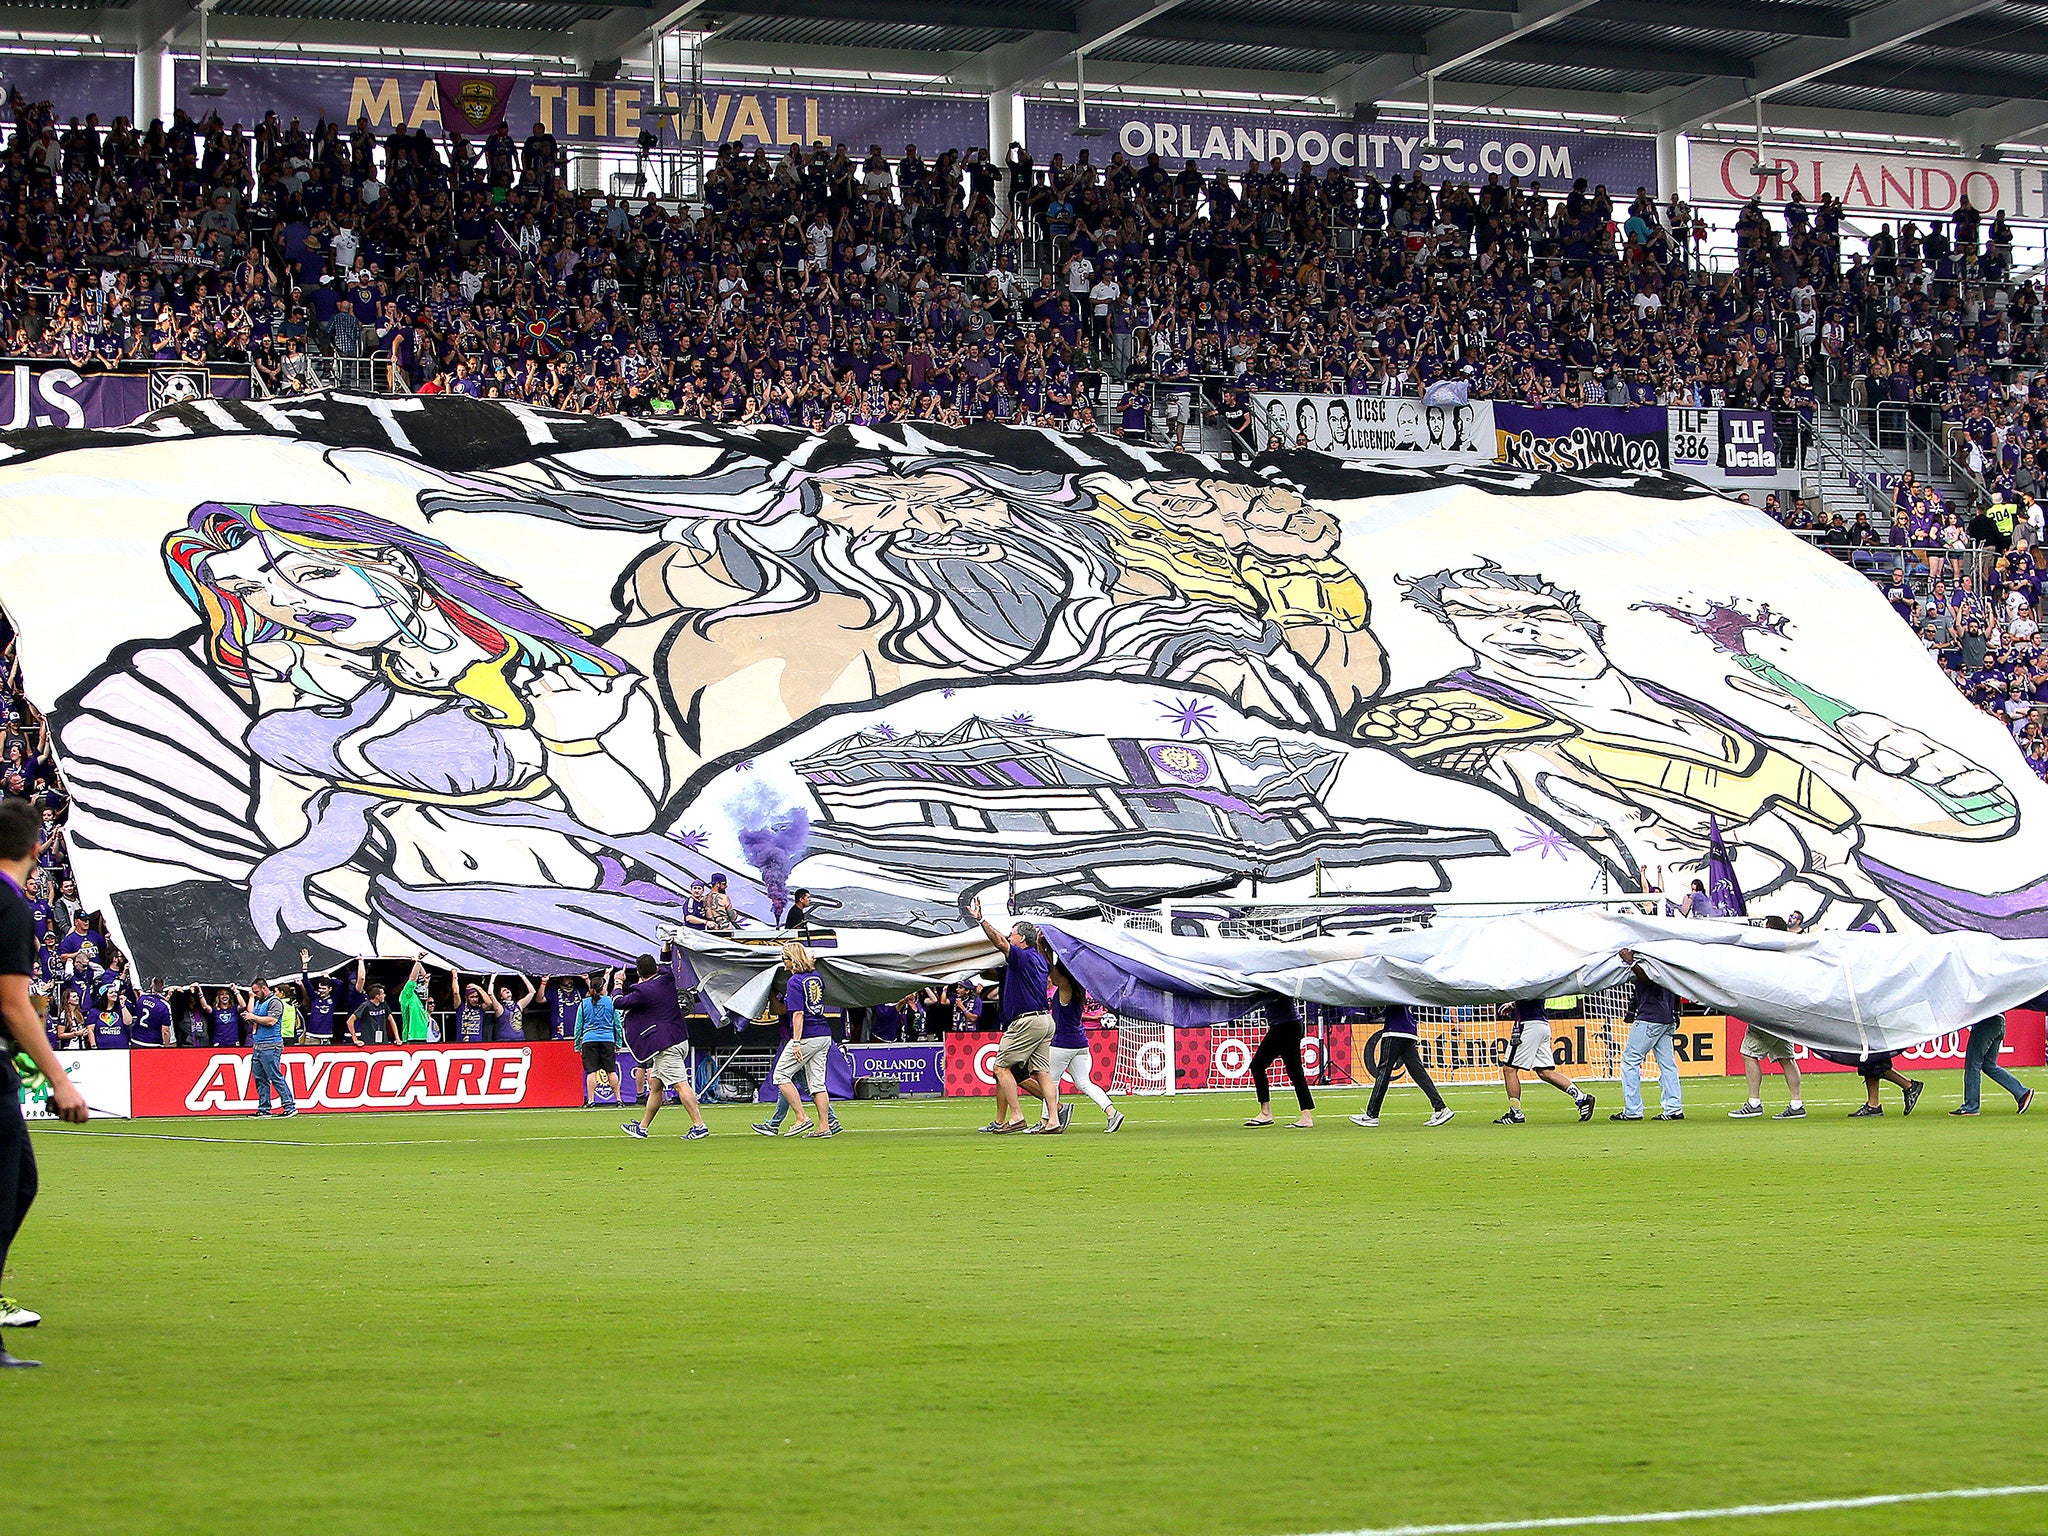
[[1673, 1516]]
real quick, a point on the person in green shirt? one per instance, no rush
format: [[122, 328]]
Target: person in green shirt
[[414, 1025]]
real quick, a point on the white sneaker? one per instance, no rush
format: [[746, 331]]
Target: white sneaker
[[1370, 1122], [1116, 1121], [14, 1315], [1442, 1116]]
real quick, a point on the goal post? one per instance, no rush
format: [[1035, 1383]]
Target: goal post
[[1460, 1045]]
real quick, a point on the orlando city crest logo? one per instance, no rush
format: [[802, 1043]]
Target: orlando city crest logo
[[477, 101]]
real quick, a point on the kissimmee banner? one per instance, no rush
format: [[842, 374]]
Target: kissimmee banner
[[1572, 441], [1219, 139], [383, 676], [35, 392]]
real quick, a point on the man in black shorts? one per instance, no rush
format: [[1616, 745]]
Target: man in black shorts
[[19, 826]]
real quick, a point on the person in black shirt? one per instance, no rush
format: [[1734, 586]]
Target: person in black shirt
[[19, 825]]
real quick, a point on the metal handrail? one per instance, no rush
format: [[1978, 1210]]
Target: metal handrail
[[1869, 477]]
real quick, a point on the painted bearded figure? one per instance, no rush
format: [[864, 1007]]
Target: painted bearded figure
[[1635, 772], [852, 582]]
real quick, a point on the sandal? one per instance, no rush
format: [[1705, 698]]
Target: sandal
[[1257, 1121]]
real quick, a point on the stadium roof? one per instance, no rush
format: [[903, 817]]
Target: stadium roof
[[1974, 72]]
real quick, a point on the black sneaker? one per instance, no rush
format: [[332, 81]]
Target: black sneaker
[[1791, 1112], [1512, 1117], [1585, 1107], [1866, 1111], [16, 1363], [1622, 1114], [1962, 1109], [1671, 1114], [1913, 1091]]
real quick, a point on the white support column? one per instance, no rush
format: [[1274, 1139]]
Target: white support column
[[1667, 164], [154, 85]]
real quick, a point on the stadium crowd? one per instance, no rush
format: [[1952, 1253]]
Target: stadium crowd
[[817, 287]]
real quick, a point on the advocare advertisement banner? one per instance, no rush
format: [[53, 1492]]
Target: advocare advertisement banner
[[1866, 183], [1398, 430], [542, 1075], [36, 392], [1231, 140]]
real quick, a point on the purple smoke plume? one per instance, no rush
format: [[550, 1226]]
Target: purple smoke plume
[[772, 836]]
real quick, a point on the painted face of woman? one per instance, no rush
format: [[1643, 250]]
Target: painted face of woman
[[320, 598]]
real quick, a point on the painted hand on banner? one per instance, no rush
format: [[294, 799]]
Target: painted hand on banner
[[1901, 752], [570, 706]]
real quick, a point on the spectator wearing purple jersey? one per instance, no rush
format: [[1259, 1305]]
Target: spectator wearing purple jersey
[[1530, 1050], [1399, 1048], [224, 1020], [564, 997], [660, 1041], [807, 1044], [508, 1010], [1025, 1050], [152, 1026], [325, 1005], [1069, 1050]]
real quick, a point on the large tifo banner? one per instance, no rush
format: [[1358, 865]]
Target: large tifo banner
[[494, 684], [36, 392], [1716, 447], [1223, 138]]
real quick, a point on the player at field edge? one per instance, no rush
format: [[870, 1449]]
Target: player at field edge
[[1530, 1050]]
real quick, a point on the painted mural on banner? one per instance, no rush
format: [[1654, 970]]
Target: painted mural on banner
[[1895, 186], [35, 392], [1216, 140], [385, 676]]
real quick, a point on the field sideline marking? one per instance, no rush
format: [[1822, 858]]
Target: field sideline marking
[[1670, 1516]]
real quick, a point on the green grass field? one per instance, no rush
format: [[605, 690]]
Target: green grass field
[[525, 1322]]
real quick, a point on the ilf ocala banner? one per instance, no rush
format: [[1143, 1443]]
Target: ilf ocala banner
[[1402, 430], [1231, 140]]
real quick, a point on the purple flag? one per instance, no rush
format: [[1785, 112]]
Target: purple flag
[[1724, 894], [473, 103]]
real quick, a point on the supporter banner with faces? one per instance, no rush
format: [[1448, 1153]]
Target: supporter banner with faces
[[1376, 427], [1231, 140], [496, 684]]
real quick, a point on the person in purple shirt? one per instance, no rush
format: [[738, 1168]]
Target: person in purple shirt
[[224, 1019], [1398, 1048], [152, 1024], [325, 1004], [660, 1042], [1530, 1050], [110, 1024], [564, 996], [1070, 1058], [508, 1010], [471, 1014], [806, 1044], [1025, 1051]]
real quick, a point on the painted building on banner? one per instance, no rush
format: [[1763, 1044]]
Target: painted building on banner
[[1868, 184]]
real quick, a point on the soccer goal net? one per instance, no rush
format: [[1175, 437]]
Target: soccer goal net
[[1459, 1044]]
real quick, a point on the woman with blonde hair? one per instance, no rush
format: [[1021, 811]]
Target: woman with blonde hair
[[807, 1044]]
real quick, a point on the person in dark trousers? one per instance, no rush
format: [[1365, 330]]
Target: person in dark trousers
[[1282, 1043], [1398, 1049], [1980, 1060], [19, 826]]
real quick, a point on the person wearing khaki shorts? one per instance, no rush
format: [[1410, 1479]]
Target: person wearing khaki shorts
[[1025, 1051], [1759, 1045]]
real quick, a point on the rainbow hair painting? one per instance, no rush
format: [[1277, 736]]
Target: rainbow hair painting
[[489, 611]]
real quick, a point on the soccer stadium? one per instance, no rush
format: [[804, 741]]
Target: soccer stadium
[[1401, 641]]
